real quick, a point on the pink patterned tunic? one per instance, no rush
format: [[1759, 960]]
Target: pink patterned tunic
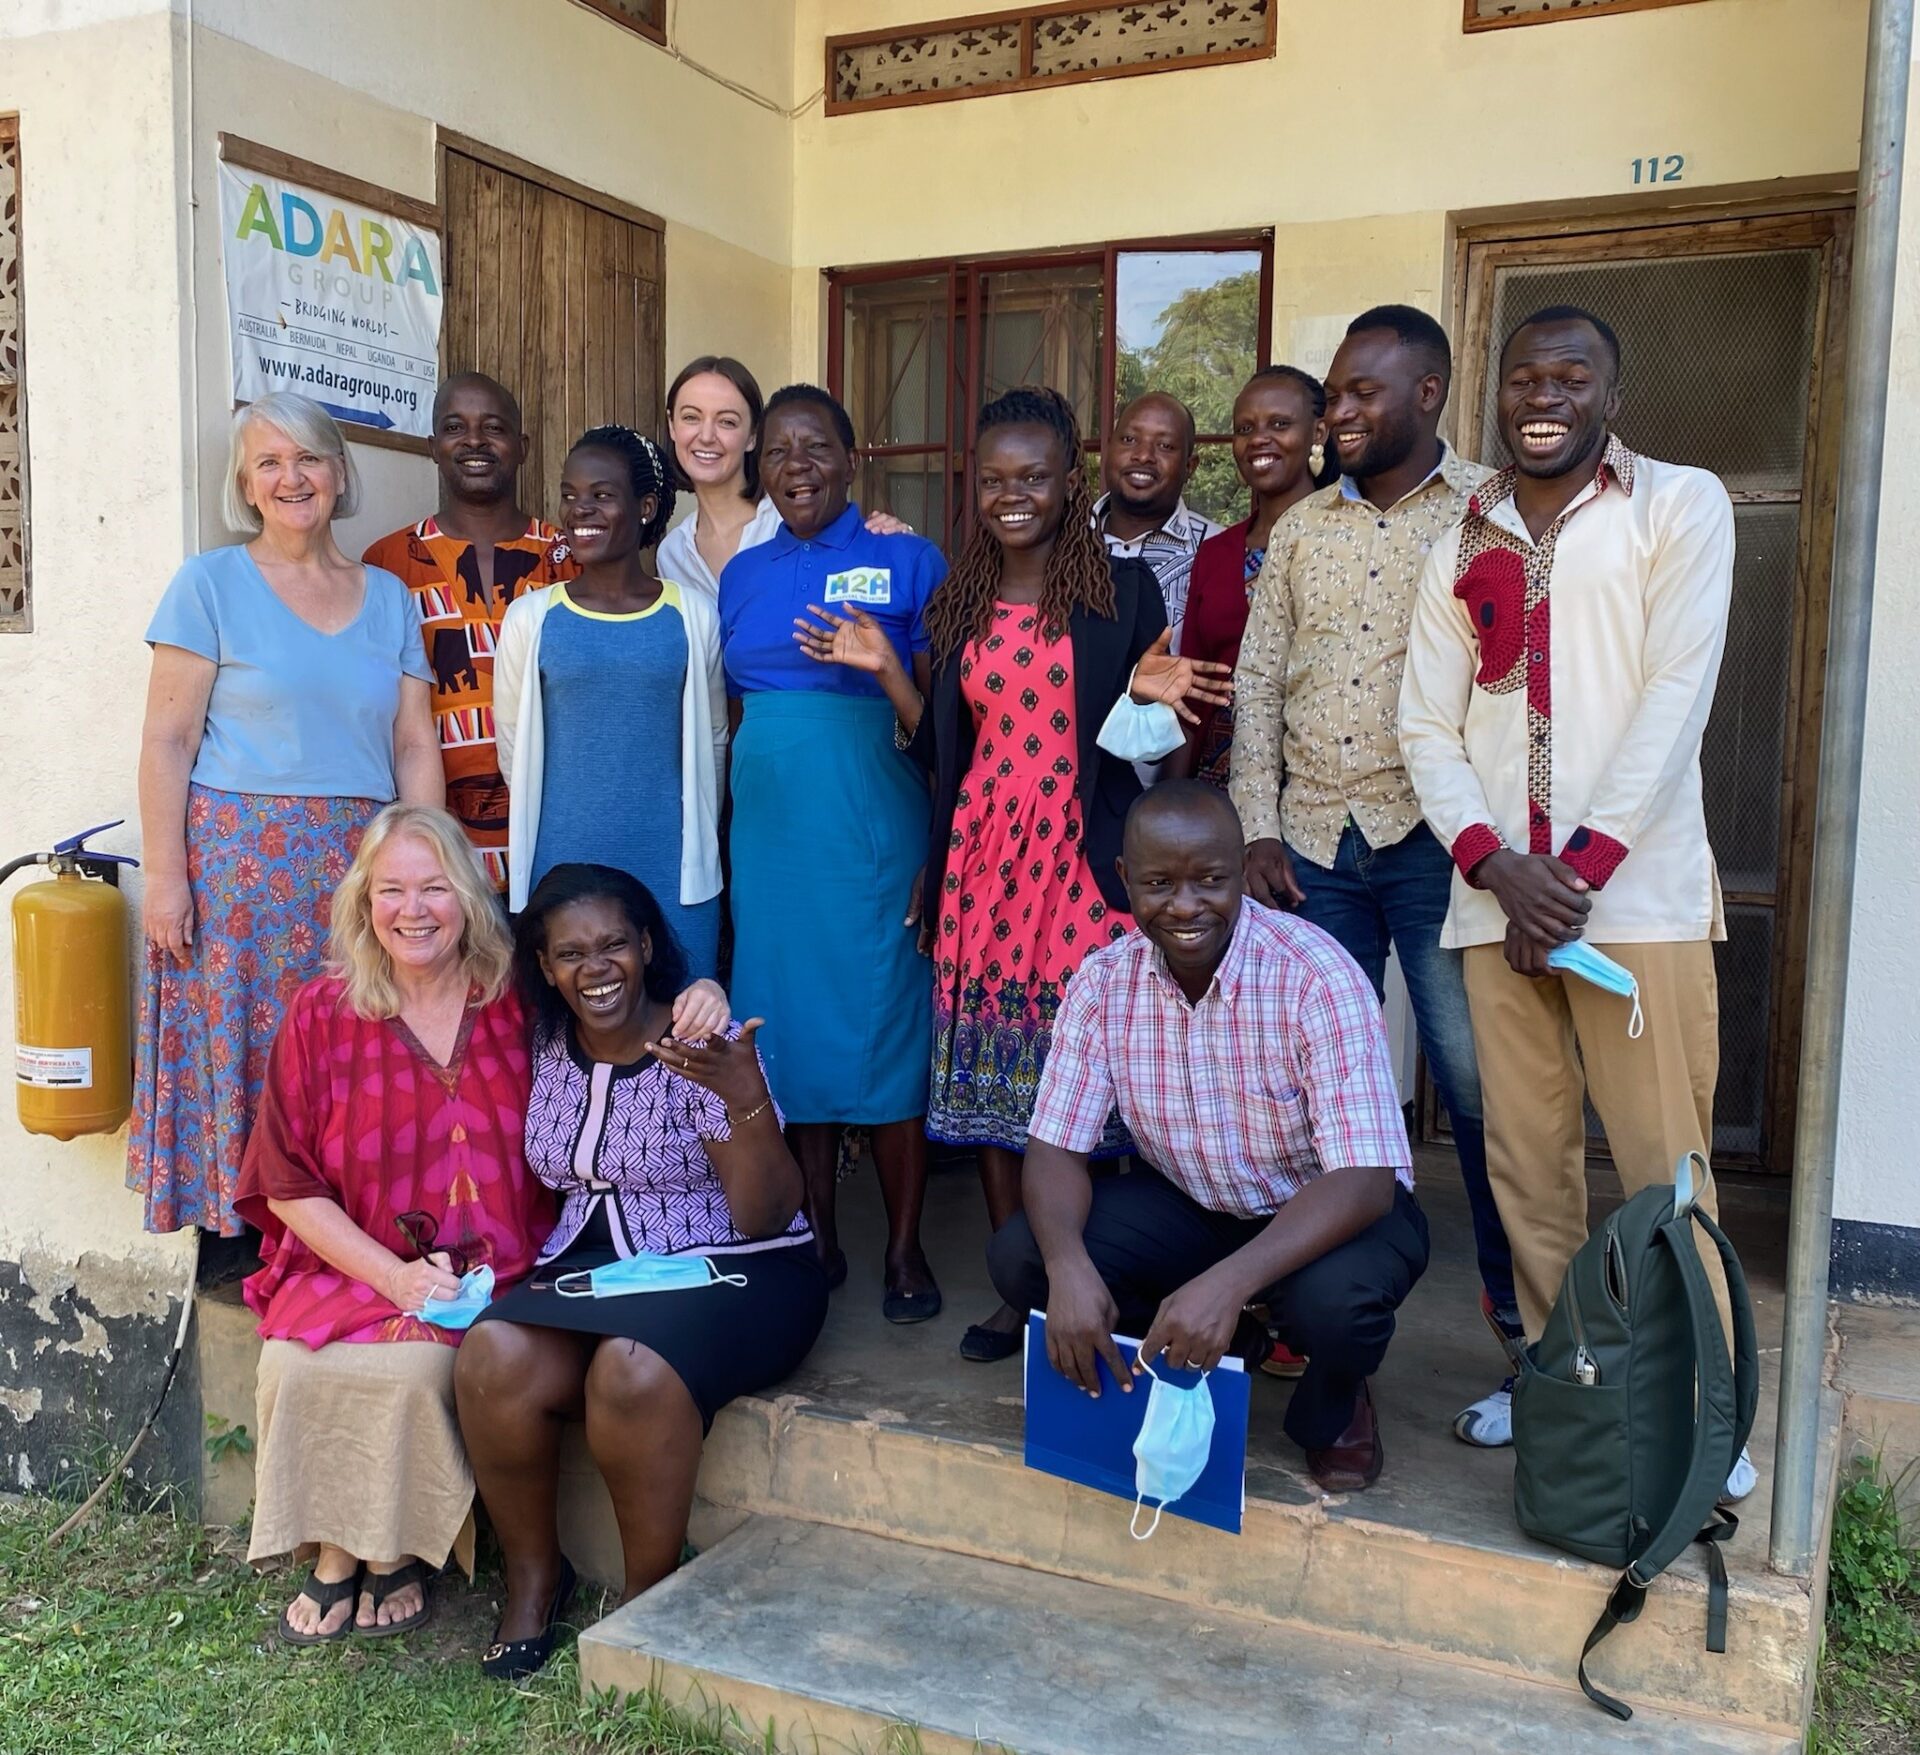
[[356, 1111]]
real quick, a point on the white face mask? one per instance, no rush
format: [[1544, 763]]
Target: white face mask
[[1176, 1437]]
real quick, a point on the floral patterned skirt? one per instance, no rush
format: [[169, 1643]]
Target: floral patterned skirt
[[1019, 911], [262, 871]]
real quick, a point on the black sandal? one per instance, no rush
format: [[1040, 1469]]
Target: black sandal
[[381, 1585], [325, 1597], [514, 1660]]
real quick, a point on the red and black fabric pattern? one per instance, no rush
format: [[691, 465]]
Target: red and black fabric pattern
[[1505, 586]]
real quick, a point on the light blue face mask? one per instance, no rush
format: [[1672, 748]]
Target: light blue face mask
[[1140, 731], [645, 1273], [475, 1294], [1577, 957], [1171, 1452]]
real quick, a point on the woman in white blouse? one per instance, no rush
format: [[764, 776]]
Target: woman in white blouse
[[713, 425]]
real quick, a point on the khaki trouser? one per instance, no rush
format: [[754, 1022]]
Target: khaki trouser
[[1654, 1094]]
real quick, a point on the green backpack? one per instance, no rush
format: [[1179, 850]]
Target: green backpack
[[1616, 1458]]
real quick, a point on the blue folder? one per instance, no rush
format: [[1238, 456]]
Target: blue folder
[[1072, 1435]]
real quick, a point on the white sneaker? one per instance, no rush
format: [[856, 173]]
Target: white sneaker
[[1742, 1481], [1487, 1423]]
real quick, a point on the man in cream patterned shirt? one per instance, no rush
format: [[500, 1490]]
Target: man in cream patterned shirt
[[1333, 827]]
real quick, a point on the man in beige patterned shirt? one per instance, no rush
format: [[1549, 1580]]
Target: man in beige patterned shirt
[[1333, 827]]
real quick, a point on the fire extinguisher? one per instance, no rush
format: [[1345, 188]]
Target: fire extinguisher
[[73, 1048]]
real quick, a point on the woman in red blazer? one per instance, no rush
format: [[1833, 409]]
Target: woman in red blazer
[[1280, 449]]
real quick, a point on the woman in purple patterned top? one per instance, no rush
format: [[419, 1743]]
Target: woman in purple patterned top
[[659, 1149]]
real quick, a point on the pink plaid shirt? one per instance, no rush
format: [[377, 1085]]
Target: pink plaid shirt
[[1280, 1074]]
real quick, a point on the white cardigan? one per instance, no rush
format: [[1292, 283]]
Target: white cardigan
[[520, 733]]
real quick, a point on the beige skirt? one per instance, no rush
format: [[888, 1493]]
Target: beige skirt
[[360, 1448]]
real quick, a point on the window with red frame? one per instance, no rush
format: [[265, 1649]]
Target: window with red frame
[[915, 351]]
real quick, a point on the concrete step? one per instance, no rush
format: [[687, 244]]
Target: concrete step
[[825, 1638], [1468, 1590]]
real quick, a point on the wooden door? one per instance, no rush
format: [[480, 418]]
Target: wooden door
[[557, 291], [1731, 335]]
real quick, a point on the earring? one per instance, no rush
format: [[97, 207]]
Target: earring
[[1317, 457]]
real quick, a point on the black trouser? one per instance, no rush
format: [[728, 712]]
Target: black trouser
[[1148, 1238]]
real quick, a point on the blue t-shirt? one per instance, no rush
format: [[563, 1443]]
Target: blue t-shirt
[[610, 695], [293, 711], [764, 590]]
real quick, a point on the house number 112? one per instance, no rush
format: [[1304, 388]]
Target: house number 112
[[1661, 168]]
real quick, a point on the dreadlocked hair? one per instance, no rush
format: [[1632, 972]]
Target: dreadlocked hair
[[645, 466], [1077, 574]]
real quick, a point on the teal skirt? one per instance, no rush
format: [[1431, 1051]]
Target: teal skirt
[[830, 827]]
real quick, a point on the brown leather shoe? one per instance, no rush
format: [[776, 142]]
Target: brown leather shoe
[[1351, 1463]]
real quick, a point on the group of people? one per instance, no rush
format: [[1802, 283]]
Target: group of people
[[1084, 854]]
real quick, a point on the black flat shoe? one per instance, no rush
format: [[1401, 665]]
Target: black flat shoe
[[909, 1307], [988, 1346], [514, 1660]]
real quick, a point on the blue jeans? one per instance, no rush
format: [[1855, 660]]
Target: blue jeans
[[1376, 896]]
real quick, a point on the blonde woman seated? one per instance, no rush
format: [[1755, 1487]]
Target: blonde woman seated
[[386, 1163]]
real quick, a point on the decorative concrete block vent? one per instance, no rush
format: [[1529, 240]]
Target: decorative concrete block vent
[[1041, 45]]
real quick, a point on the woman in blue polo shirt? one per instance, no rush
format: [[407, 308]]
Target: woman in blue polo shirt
[[829, 832]]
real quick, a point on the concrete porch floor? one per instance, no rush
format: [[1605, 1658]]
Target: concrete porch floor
[[887, 1472], [1442, 1357], [888, 1459]]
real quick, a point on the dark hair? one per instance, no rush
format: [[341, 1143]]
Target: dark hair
[[1078, 574], [724, 366], [666, 972], [813, 397], [1415, 329], [645, 465], [1569, 314], [1316, 393]]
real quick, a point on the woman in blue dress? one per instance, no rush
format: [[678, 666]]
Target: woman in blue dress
[[610, 703], [830, 823]]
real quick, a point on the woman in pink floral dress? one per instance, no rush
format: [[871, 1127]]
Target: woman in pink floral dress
[[1042, 647]]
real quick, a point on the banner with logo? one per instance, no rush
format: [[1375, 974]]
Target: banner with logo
[[338, 301]]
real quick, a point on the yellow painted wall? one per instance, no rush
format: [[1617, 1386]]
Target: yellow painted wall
[[105, 380], [361, 85], [1371, 126], [121, 104]]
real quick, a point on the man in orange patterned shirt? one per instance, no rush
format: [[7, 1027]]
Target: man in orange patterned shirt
[[464, 564]]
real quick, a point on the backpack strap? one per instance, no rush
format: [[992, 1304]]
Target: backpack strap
[[1720, 1417]]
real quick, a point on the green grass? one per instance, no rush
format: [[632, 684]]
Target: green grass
[[1869, 1691], [143, 1634]]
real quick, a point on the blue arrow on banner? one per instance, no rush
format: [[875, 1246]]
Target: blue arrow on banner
[[360, 417]]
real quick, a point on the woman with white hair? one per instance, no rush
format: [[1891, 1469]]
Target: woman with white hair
[[287, 704], [386, 1163]]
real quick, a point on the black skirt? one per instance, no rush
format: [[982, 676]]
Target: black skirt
[[722, 1341]]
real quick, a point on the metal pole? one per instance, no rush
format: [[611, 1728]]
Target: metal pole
[[1883, 130]]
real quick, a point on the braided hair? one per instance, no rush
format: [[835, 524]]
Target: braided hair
[[1329, 470], [645, 466], [1077, 574]]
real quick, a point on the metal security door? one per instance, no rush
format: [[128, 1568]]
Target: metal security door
[[1730, 340]]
